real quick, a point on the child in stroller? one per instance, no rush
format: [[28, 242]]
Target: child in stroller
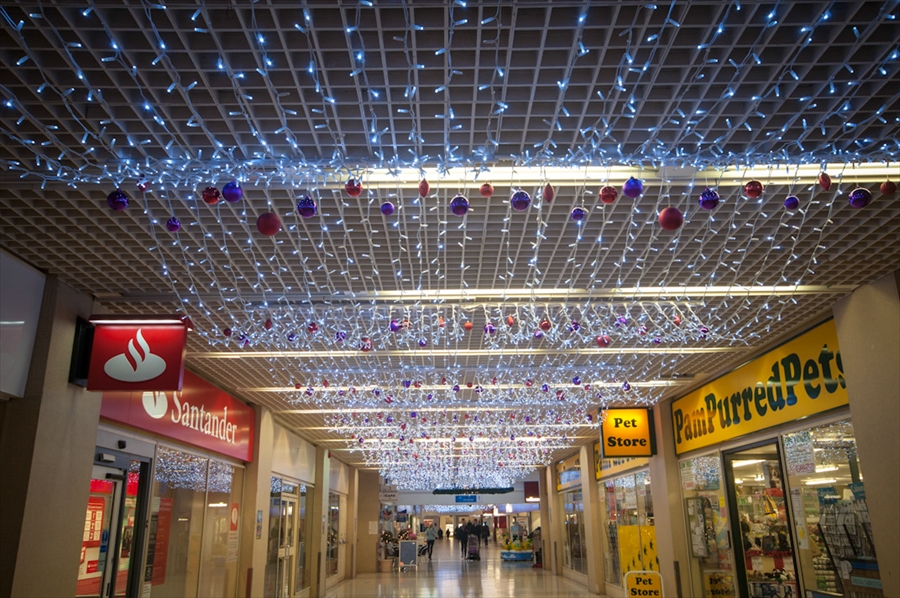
[[472, 552]]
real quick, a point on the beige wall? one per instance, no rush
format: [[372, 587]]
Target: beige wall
[[292, 456], [46, 456], [368, 510], [591, 520], [868, 328], [257, 490]]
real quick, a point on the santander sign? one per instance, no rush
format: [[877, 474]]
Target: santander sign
[[199, 414], [139, 355]]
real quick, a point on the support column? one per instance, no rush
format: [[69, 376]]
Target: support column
[[352, 524], [368, 511], [591, 514], [257, 490], [668, 511], [868, 322], [46, 455], [557, 516], [546, 527], [318, 539]]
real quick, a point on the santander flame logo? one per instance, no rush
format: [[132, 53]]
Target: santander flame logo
[[137, 365], [156, 404]]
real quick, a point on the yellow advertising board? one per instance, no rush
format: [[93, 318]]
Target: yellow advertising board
[[644, 583], [627, 433], [802, 377]]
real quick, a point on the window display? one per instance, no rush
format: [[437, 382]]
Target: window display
[[574, 529], [287, 566], [630, 535], [333, 548]]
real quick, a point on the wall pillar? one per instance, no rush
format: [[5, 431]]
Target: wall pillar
[[257, 493], [867, 323], [668, 510], [592, 506], [318, 539], [368, 510], [557, 539], [352, 524], [46, 455], [546, 527]]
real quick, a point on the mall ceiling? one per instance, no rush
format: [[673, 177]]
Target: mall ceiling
[[294, 99]]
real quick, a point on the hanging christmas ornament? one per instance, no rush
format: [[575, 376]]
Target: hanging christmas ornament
[[791, 202], [888, 187], [573, 326], [211, 195], [307, 207], [632, 188], [365, 344], [468, 326], [227, 332], [489, 328], [173, 225], [824, 181], [608, 194], [268, 325], [753, 189], [424, 188], [546, 325], [510, 321], [538, 334], [578, 214], [860, 197], [603, 341], [143, 184], [520, 200], [339, 336], [387, 208], [117, 200], [268, 224], [548, 193], [232, 192], [353, 187], [423, 342], [671, 218], [486, 190], [394, 325], [312, 327], [459, 205], [677, 320], [292, 337], [709, 199]]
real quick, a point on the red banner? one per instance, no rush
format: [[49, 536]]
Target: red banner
[[137, 356], [200, 414]]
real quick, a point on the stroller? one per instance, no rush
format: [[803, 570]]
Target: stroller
[[472, 548]]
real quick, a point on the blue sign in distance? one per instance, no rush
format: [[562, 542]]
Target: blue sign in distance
[[466, 498]]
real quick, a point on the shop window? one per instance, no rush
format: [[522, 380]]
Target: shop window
[[630, 536], [835, 550], [287, 562], [332, 554], [574, 527], [712, 562]]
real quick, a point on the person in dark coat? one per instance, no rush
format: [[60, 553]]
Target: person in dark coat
[[462, 536]]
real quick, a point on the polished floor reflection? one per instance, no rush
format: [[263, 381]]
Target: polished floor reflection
[[448, 575]]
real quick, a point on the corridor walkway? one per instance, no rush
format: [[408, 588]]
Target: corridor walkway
[[447, 575]]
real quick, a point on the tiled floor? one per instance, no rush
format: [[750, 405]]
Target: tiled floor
[[448, 575]]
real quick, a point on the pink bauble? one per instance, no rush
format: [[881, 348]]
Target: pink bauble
[[353, 188], [888, 187], [424, 188], [671, 218], [486, 190], [608, 194], [268, 224]]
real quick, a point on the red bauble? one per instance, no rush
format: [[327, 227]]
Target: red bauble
[[143, 185], [603, 341], [268, 223], [424, 188], [486, 190], [548, 193], [888, 187], [671, 218], [268, 324], [753, 189], [353, 188], [608, 194], [365, 344], [211, 195], [510, 321], [468, 326], [824, 181], [546, 325], [312, 327]]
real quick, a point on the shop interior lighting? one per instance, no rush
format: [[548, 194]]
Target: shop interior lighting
[[826, 468], [746, 462], [820, 481]]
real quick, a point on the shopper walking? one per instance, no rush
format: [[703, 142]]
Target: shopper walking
[[462, 536], [430, 536]]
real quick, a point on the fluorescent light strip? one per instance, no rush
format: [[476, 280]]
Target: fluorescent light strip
[[590, 425], [410, 408], [240, 354], [427, 387]]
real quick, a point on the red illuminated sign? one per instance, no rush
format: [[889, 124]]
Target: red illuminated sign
[[137, 354], [200, 414]]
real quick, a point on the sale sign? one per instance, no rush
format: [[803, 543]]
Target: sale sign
[[137, 354]]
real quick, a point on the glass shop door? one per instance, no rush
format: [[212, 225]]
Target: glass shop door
[[761, 526], [287, 548]]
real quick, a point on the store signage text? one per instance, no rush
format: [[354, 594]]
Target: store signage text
[[643, 583], [627, 433], [802, 377], [137, 356], [200, 414]]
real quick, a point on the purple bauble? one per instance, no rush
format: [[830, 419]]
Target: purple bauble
[[232, 192], [538, 334], [459, 205], [456, 388], [545, 387], [632, 188], [387, 208], [578, 214], [339, 336], [520, 200], [576, 380], [423, 342], [394, 325], [306, 207], [117, 200], [292, 337], [489, 328], [709, 199], [860, 197], [792, 202], [173, 225]]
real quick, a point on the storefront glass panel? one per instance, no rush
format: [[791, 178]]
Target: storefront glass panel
[[827, 498], [334, 528], [219, 551], [630, 536], [709, 537], [574, 528]]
